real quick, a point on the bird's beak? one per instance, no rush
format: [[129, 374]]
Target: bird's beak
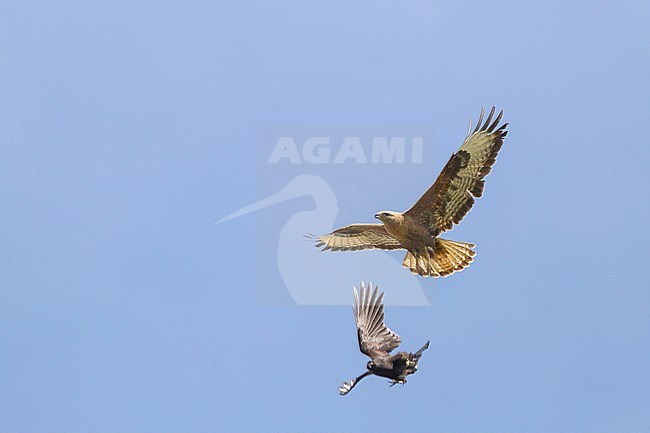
[[377, 216]]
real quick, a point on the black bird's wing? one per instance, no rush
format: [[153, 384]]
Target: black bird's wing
[[375, 338], [347, 386]]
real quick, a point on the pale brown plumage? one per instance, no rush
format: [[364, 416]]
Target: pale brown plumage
[[444, 204]]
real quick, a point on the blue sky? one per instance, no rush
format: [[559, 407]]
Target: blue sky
[[128, 129]]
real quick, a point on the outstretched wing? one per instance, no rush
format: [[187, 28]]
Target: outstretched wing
[[358, 237], [452, 195], [347, 386], [375, 339]]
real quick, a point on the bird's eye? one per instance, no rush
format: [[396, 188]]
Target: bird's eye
[[385, 214]]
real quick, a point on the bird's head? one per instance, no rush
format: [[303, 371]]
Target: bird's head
[[388, 216], [370, 366]]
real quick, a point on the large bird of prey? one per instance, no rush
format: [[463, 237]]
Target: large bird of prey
[[444, 204], [377, 341]]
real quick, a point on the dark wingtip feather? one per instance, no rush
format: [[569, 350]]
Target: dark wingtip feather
[[310, 237], [480, 120], [495, 123], [489, 119]]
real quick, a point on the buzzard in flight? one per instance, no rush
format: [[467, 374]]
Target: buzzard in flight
[[444, 204], [377, 341]]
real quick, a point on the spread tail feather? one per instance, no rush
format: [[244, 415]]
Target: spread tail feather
[[418, 354], [442, 260], [413, 359]]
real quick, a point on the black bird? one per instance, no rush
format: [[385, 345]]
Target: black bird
[[377, 341]]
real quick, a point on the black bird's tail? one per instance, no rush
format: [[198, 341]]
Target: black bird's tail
[[418, 354], [414, 358]]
